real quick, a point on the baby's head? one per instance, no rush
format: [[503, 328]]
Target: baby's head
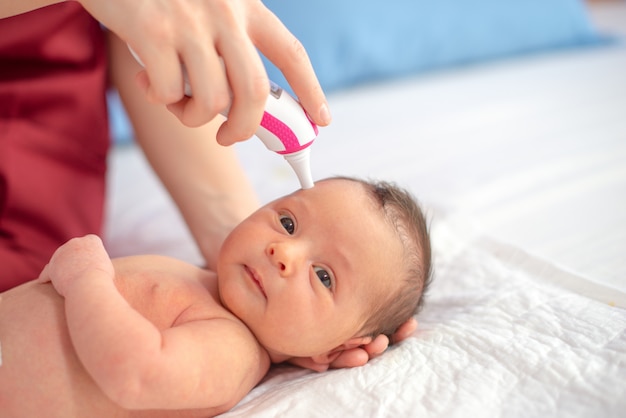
[[327, 268], [405, 217]]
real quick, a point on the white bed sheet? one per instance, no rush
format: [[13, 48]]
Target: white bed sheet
[[521, 165]]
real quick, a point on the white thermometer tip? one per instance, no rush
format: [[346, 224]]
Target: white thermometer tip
[[300, 162]]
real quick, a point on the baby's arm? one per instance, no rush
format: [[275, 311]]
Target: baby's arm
[[208, 363]]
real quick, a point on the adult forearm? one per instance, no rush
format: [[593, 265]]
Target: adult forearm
[[206, 182], [204, 178]]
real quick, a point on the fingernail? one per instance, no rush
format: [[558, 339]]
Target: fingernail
[[325, 114]]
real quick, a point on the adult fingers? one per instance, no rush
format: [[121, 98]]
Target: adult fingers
[[281, 47], [208, 84], [249, 87], [354, 357], [164, 74], [377, 346], [405, 330]]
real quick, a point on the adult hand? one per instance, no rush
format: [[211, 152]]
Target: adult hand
[[358, 356], [361, 355], [216, 41]]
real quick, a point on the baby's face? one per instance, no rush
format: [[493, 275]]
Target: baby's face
[[303, 271]]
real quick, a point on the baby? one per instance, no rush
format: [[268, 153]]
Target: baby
[[311, 274]]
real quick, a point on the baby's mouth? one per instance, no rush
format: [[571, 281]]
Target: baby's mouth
[[256, 279]]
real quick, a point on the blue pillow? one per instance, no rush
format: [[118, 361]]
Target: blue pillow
[[355, 41], [120, 128]]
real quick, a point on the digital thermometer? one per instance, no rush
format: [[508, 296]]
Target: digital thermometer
[[285, 129]]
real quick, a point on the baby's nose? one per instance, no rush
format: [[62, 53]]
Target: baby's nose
[[286, 257]]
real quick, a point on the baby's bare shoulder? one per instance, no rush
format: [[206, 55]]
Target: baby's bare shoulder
[[168, 291], [157, 265], [229, 353]]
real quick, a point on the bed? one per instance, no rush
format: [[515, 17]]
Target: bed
[[521, 165]]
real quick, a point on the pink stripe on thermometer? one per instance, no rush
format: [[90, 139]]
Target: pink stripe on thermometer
[[285, 135], [287, 130]]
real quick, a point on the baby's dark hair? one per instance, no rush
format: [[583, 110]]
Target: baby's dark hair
[[403, 212]]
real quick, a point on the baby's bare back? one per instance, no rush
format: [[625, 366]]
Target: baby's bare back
[[40, 371]]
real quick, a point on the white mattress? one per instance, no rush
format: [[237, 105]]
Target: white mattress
[[522, 167]]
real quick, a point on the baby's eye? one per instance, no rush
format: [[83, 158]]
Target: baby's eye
[[324, 277], [287, 222]]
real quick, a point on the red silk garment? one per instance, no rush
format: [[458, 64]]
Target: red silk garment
[[53, 135]]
